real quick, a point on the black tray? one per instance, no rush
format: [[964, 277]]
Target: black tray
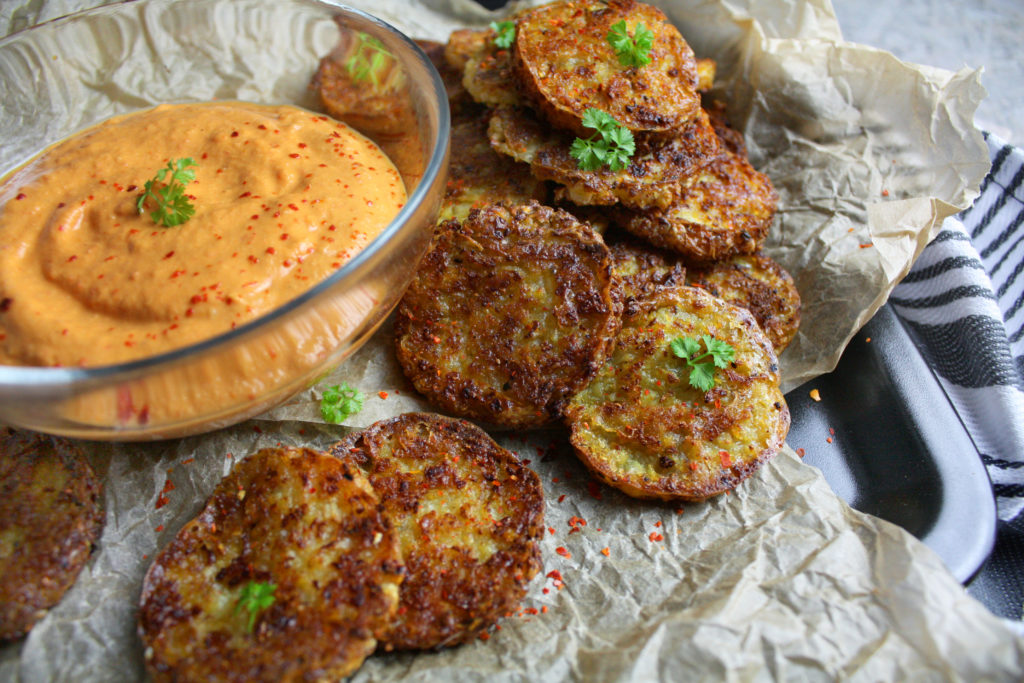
[[898, 449]]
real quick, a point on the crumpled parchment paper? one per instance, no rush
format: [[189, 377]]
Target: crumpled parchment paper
[[778, 580]]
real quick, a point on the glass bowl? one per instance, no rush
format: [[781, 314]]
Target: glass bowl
[[65, 75]]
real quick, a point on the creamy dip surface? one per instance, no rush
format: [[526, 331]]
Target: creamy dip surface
[[283, 197]]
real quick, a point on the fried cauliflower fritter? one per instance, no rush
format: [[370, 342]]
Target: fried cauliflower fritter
[[654, 177], [760, 285], [508, 314], [487, 76], [725, 210], [468, 516], [477, 175], [50, 516], [373, 101], [706, 70], [304, 521], [639, 425], [640, 269], [461, 105], [565, 65]]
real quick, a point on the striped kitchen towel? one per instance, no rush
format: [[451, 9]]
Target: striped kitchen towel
[[964, 302]]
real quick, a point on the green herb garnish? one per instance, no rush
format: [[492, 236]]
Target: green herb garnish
[[369, 58], [173, 207], [631, 51], [506, 33], [612, 144], [702, 372], [339, 402], [256, 597]]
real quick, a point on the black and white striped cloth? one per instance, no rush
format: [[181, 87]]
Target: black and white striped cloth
[[964, 300]]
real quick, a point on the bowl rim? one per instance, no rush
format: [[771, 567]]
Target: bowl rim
[[43, 377]]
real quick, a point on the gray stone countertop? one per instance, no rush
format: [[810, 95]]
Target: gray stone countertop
[[951, 35]]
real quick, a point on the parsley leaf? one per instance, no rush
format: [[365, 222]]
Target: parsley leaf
[[702, 372], [506, 33], [339, 402], [369, 58], [611, 145], [631, 51], [255, 598], [173, 207]]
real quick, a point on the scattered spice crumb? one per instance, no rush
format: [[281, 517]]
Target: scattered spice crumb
[[485, 636], [188, 462], [382, 394], [551, 530], [563, 552], [829, 439], [800, 452], [556, 578], [656, 537], [159, 528], [544, 608], [606, 552], [561, 498], [885, 193], [815, 395]]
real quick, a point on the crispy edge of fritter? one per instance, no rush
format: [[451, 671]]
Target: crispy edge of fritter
[[54, 529], [488, 78], [380, 110], [654, 178], [530, 395], [706, 71], [639, 405], [313, 629], [727, 210], [553, 40], [760, 285], [448, 596], [477, 175]]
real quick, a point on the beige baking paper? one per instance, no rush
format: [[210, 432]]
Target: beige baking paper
[[780, 579]]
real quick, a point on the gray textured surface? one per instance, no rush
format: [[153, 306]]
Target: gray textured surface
[[951, 35]]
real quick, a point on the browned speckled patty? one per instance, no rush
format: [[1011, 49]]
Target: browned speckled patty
[[565, 64], [508, 314], [468, 517], [477, 175], [640, 426], [655, 176], [723, 210], [760, 285], [310, 524], [640, 269], [50, 516]]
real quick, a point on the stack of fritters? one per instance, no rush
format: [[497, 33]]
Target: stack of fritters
[[418, 532], [510, 319], [50, 516]]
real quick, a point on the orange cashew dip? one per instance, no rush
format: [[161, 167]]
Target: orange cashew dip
[[282, 196]]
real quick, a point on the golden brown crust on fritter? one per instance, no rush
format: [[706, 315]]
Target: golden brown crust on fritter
[[653, 178], [760, 285], [374, 103], [304, 521], [468, 517], [641, 427], [50, 516], [564, 63], [725, 210], [464, 44], [477, 175], [508, 315], [640, 269]]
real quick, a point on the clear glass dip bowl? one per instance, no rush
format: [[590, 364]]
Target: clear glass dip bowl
[[68, 74]]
